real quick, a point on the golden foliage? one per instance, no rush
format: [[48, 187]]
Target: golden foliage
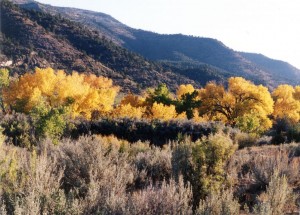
[[286, 106], [163, 112], [128, 111], [133, 100], [184, 89], [197, 118], [181, 116], [242, 97], [83, 93], [242, 104]]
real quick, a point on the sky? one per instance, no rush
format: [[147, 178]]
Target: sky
[[269, 27]]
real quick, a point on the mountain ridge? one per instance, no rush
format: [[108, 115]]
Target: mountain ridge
[[196, 58], [269, 64], [33, 39]]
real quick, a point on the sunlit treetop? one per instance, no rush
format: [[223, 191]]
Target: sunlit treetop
[[184, 89], [287, 103], [83, 93], [242, 97]]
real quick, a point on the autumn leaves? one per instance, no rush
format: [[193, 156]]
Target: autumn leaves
[[84, 94], [243, 104]]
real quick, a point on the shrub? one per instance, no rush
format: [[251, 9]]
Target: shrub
[[219, 202], [107, 175], [280, 128], [89, 159], [30, 183], [2, 136], [264, 140], [155, 131], [278, 198], [49, 122], [263, 167], [251, 169], [169, 198], [293, 134], [18, 129], [156, 163], [252, 123], [245, 140], [202, 163]]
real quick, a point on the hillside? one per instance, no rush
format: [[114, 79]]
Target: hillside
[[119, 33], [206, 58], [36, 39], [196, 58], [279, 68]]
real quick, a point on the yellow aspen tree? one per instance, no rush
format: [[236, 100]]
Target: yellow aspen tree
[[82, 93], [297, 93], [184, 89], [163, 112], [286, 105], [197, 118], [23, 93], [133, 100], [128, 111], [213, 104]]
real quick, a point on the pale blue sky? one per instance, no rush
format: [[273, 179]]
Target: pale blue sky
[[270, 27]]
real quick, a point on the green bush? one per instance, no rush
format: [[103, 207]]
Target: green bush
[[293, 133], [280, 130], [49, 122], [202, 163]]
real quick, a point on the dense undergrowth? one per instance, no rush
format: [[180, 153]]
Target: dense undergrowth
[[26, 131], [106, 175]]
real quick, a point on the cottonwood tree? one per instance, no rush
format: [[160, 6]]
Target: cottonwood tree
[[187, 100], [240, 99], [286, 105], [82, 93]]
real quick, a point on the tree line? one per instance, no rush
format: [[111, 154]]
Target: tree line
[[50, 96]]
